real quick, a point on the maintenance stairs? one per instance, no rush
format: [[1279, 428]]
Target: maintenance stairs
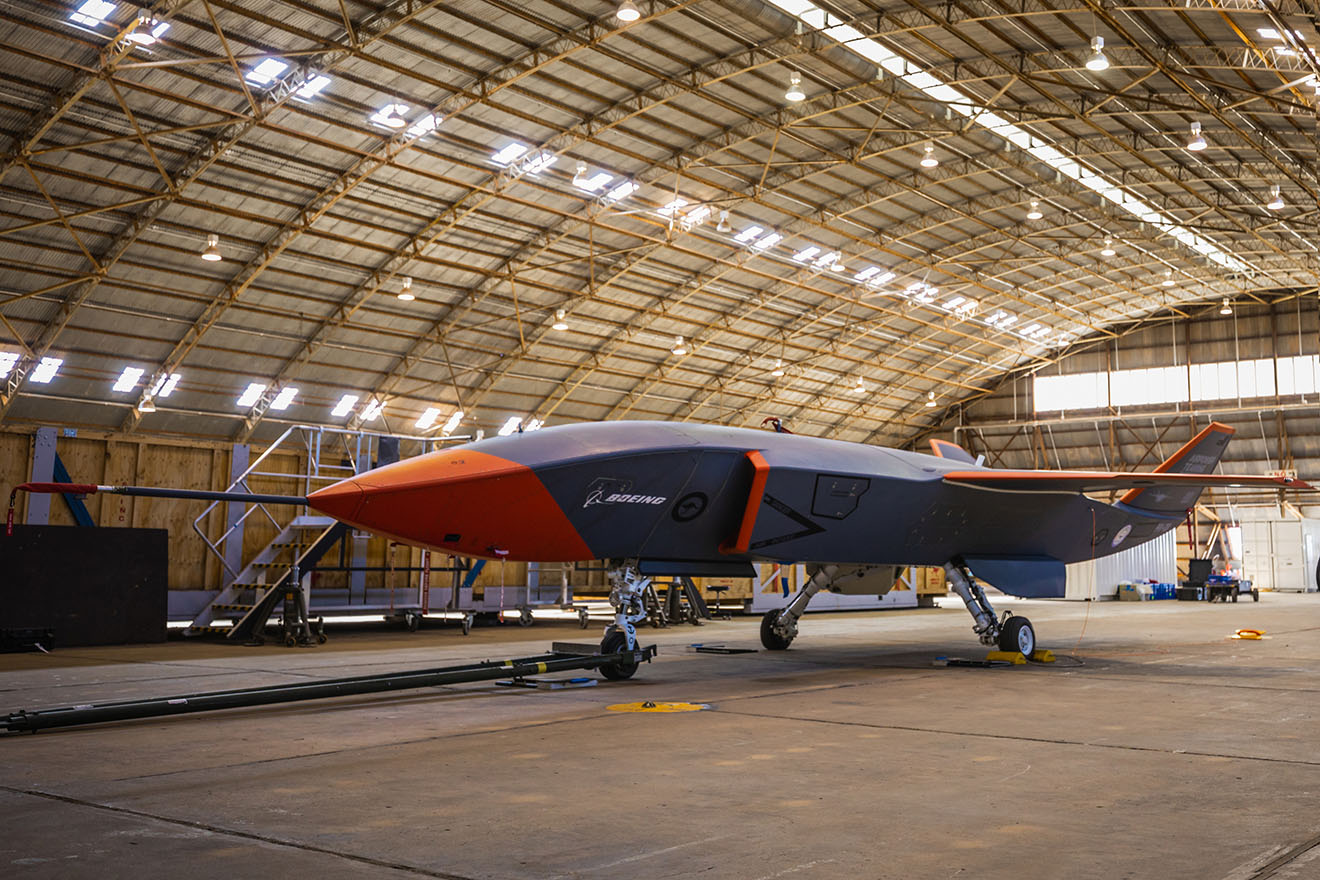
[[240, 611]]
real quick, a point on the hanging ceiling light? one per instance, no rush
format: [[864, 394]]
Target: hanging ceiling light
[[929, 160], [1108, 249], [794, 92], [1276, 199], [146, 405], [1035, 213], [778, 371], [723, 225], [680, 347], [142, 34], [628, 11], [1097, 61], [560, 323], [1197, 143], [930, 399], [860, 386], [1168, 278], [212, 251], [405, 292], [1226, 309], [580, 176]]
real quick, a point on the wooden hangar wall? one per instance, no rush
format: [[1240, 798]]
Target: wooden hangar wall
[[1275, 430]]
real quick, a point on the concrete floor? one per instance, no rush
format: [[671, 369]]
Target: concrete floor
[[1173, 752]]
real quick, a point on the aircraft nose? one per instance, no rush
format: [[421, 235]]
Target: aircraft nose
[[341, 500]]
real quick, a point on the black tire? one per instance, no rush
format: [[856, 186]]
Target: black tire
[[772, 640], [467, 624], [525, 617], [1255, 595], [1018, 636], [414, 621], [584, 620], [613, 643]]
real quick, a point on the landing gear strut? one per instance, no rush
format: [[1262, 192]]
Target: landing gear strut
[[779, 627], [1009, 633], [627, 590]]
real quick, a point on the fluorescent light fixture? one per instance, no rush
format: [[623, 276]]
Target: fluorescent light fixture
[[93, 12], [251, 394], [344, 406], [1097, 62], [453, 422], [723, 225], [829, 259], [1030, 329], [968, 307], [284, 398], [748, 234], [405, 291], [868, 272], [929, 160], [674, 206], [955, 302], [627, 12], [1035, 213], [7, 361], [1276, 199], [312, 87], [769, 240], [428, 418], [1000, 319], [128, 379], [165, 385], [560, 323], [794, 92], [534, 425], [509, 153], [806, 253], [510, 425], [960, 103], [265, 72], [390, 116], [46, 369], [778, 371], [1197, 143], [211, 253], [1108, 249], [882, 278], [372, 411], [1226, 309], [596, 181], [622, 191], [680, 347], [424, 126], [1006, 321]]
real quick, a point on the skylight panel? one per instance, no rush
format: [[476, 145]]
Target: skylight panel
[[622, 191], [390, 116], [509, 426], [372, 411], [424, 126], [284, 398], [165, 385], [428, 418], [748, 234], [452, 423], [46, 370], [251, 394], [596, 181], [1269, 33], [766, 241], [266, 72], [827, 260], [509, 154], [93, 12], [806, 254], [128, 379], [697, 216], [7, 361], [867, 273], [882, 278], [540, 163], [344, 406], [955, 302], [534, 425], [312, 87]]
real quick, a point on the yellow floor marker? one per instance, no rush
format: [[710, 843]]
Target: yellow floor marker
[[1250, 634], [651, 706]]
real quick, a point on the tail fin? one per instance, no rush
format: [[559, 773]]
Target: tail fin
[[1200, 455], [945, 449]]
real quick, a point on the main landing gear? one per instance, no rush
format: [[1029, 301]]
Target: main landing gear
[[1010, 633], [627, 591], [780, 627]]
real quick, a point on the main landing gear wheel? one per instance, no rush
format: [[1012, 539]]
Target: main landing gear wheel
[[770, 637], [613, 643], [1018, 635]]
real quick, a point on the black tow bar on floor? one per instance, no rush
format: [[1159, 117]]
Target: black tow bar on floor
[[563, 657]]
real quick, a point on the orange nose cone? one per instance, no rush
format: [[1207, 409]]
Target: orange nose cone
[[341, 500]]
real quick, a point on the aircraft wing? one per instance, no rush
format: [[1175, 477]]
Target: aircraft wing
[[1087, 481]]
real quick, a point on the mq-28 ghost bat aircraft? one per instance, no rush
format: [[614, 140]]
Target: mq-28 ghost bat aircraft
[[662, 498]]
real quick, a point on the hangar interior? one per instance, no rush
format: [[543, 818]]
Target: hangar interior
[[263, 245]]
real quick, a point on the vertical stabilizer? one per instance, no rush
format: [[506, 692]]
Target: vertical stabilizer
[[1200, 455]]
